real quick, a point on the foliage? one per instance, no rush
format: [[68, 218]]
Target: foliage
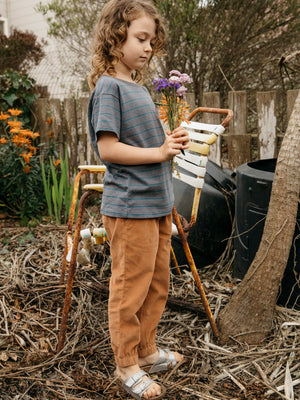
[[20, 171], [17, 90], [72, 23], [20, 51], [229, 44], [58, 192], [221, 44]]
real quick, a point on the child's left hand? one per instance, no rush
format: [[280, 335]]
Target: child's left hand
[[180, 135]]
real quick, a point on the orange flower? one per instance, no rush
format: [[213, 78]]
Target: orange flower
[[50, 134], [33, 149], [26, 169], [26, 157], [182, 109], [15, 124], [3, 117], [26, 132], [3, 140], [14, 112], [35, 135], [56, 163], [20, 141], [14, 130], [49, 121]]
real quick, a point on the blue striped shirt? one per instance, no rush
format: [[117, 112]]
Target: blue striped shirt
[[130, 191]]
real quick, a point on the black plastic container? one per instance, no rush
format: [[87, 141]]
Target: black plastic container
[[208, 238], [254, 185]]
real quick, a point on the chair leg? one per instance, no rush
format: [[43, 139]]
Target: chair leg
[[193, 268], [174, 261], [68, 241], [72, 268]]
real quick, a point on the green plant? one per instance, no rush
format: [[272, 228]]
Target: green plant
[[17, 90], [20, 170], [58, 191]]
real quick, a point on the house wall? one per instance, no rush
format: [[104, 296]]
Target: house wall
[[22, 15], [51, 74], [3, 17]]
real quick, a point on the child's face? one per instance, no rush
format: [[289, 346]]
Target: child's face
[[137, 48]]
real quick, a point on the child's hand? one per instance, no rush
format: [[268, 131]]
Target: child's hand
[[175, 142]]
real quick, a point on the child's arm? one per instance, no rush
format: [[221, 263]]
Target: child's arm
[[111, 150]]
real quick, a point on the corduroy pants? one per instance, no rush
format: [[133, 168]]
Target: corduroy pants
[[139, 284]]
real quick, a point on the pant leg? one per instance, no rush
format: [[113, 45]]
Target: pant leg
[[135, 246], [154, 304]]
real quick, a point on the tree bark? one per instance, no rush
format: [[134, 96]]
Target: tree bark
[[249, 314]]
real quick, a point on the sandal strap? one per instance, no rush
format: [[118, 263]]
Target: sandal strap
[[136, 386], [163, 363], [134, 379]]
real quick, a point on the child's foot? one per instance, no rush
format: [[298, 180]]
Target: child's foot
[[153, 391], [161, 360]]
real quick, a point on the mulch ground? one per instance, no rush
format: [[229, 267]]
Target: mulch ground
[[31, 301]]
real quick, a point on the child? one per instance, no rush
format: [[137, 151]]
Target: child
[[138, 197]]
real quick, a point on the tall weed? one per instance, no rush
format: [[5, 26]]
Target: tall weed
[[58, 191]]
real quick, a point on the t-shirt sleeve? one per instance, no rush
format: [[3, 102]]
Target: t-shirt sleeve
[[106, 114]]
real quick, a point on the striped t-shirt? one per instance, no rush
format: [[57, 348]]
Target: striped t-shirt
[[130, 191]]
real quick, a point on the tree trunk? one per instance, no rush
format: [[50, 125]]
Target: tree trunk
[[249, 314]]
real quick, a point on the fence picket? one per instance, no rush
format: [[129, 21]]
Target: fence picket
[[71, 137], [266, 123], [291, 96], [89, 157], [213, 100], [239, 142]]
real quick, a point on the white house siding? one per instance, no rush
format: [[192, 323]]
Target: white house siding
[[51, 72]]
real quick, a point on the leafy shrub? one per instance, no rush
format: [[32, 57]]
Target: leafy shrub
[[20, 51], [20, 170], [17, 90]]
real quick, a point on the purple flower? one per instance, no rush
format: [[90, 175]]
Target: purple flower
[[161, 84]]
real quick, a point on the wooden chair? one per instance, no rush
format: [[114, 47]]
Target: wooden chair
[[189, 167]]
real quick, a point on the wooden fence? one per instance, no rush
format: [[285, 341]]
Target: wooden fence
[[65, 123]]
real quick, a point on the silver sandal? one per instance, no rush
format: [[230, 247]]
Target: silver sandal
[[163, 363], [136, 386]]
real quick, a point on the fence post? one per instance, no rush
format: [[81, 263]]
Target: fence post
[[291, 96], [70, 123], [88, 154], [266, 124], [48, 114], [239, 143], [212, 100], [190, 99]]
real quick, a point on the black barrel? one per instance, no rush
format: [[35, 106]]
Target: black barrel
[[254, 185], [208, 238]]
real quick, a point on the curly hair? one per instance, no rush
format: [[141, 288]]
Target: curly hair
[[111, 33]]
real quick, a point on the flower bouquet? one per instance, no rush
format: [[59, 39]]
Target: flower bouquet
[[173, 107]]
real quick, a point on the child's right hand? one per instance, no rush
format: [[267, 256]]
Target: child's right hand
[[175, 142]]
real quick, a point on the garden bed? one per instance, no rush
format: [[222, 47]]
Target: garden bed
[[31, 301]]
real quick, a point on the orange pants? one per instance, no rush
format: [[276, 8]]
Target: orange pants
[[139, 284]]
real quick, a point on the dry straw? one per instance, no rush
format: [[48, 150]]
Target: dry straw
[[30, 311]]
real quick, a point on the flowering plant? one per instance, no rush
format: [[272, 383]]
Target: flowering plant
[[23, 173], [22, 139], [173, 106], [20, 171]]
